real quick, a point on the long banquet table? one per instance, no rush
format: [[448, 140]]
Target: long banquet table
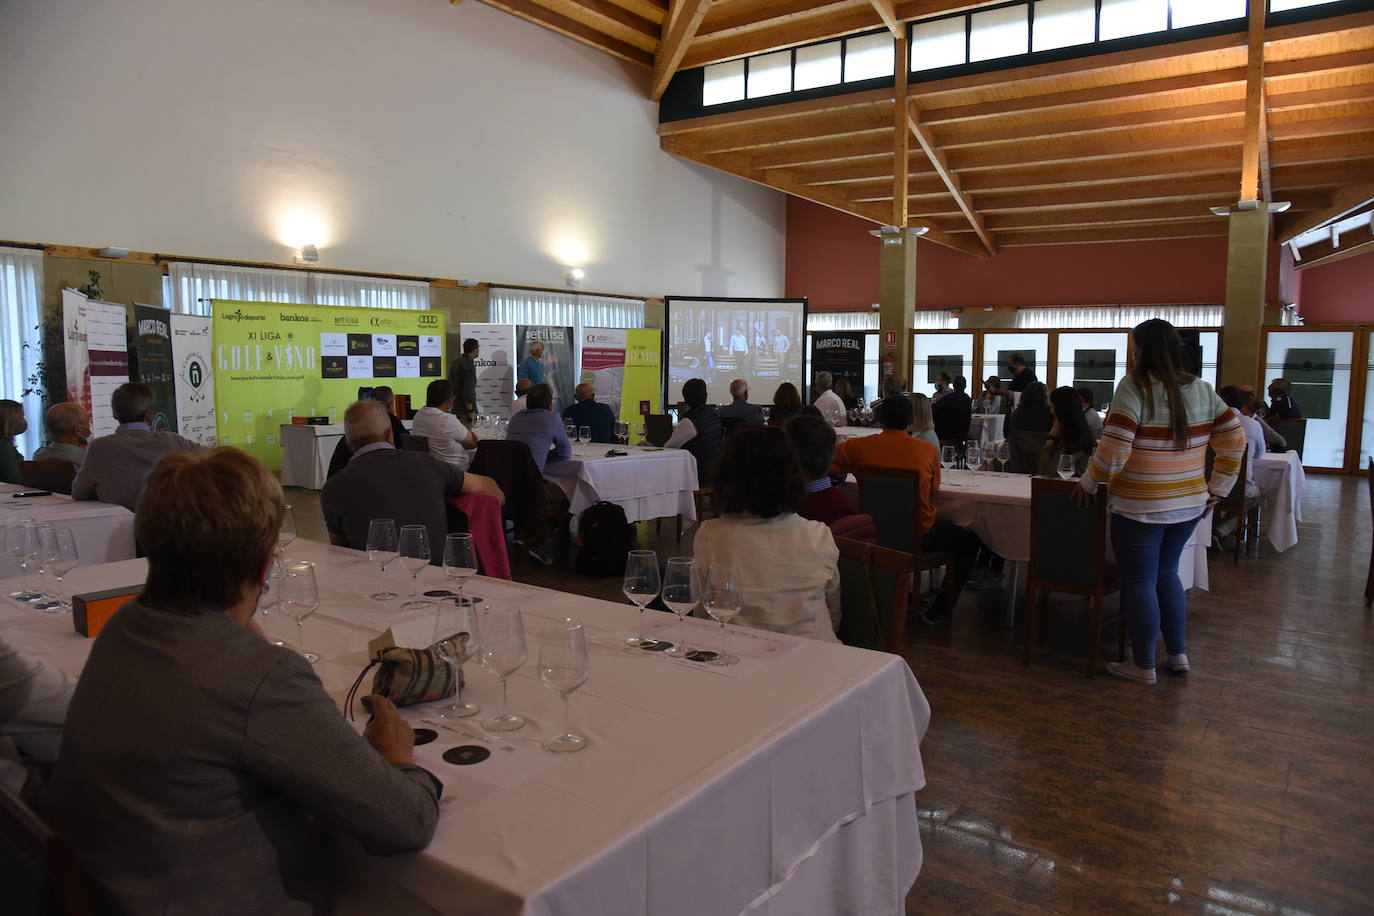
[[1281, 480], [647, 483], [103, 531], [782, 785]]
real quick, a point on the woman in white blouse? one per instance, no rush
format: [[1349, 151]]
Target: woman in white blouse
[[788, 566]]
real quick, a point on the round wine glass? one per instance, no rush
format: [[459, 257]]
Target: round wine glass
[[1003, 454], [1066, 468], [268, 599], [381, 549], [456, 640], [563, 667], [584, 433], [502, 652], [973, 456], [948, 456], [681, 594], [414, 552], [18, 532], [722, 599], [571, 430], [287, 532], [641, 587], [767, 412], [58, 546], [460, 560], [300, 597], [35, 554]]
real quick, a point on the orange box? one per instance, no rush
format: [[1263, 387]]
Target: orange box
[[92, 610]]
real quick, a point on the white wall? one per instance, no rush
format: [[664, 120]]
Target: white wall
[[404, 136]]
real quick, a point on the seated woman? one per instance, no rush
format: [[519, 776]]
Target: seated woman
[[787, 403], [202, 767], [845, 390], [12, 423], [922, 420], [1070, 435], [788, 566], [1028, 427]]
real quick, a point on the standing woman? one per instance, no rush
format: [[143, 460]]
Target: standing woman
[[12, 423], [1153, 457]]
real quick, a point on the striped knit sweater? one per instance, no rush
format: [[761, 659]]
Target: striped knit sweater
[[1144, 470]]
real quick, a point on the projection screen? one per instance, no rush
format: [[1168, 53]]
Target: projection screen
[[760, 340]]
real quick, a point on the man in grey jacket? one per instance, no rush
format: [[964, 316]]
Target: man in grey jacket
[[117, 465]]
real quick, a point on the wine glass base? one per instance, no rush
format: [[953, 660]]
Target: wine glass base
[[680, 652], [723, 660], [416, 604], [508, 722], [55, 608], [45, 604], [384, 596], [311, 657], [648, 643], [564, 744], [459, 710], [24, 594]]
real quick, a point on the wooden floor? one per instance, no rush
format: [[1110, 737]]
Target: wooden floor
[[1245, 788]]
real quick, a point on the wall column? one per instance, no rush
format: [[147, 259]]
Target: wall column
[[1247, 253], [897, 302]]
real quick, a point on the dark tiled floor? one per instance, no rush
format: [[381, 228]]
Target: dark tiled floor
[[1245, 788]]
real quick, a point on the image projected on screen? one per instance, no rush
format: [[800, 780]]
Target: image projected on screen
[[720, 340]]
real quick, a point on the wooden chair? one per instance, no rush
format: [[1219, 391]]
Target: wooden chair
[[1068, 554], [39, 870], [510, 464], [1294, 432], [1245, 508], [892, 496], [856, 527], [56, 476], [413, 443], [1369, 580], [875, 585]]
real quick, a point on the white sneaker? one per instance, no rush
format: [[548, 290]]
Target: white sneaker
[[1178, 664], [1131, 672]]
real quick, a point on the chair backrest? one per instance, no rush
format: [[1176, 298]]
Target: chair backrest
[[1236, 498], [657, 428], [875, 586], [509, 463], [1294, 432], [1371, 485], [56, 476], [858, 527], [1068, 541], [413, 443], [1025, 446], [892, 496], [38, 870]]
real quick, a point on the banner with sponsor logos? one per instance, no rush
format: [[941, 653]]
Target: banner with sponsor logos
[[273, 361], [153, 340], [841, 353], [495, 366], [625, 367], [546, 355], [195, 380], [96, 347]]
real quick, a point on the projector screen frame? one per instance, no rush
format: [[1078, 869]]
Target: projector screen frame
[[671, 399]]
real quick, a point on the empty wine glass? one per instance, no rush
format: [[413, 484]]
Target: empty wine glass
[[414, 553], [564, 667], [460, 560], [1066, 468], [268, 599], [973, 455], [18, 535], [456, 640], [622, 432], [1003, 454], [722, 599], [949, 455], [381, 549], [641, 587], [571, 430], [584, 433], [46, 601], [300, 597], [58, 547], [681, 594], [642, 432], [767, 412], [502, 652], [287, 532]]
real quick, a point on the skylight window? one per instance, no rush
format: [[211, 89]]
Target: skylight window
[[999, 33], [1124, 18], [724, 83], [770, 74], [868, 57], [939, 43], [1064, 23], [818, 65]]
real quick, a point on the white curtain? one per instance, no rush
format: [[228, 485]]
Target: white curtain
[[190, 286], [21, 294], [574, 310], [925, 320], [1118, 316]]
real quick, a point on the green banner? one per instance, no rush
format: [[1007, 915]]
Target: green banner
[[273, 361]]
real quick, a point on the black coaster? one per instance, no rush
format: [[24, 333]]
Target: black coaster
[[439, 593], [656, 645], [466, 755], [425, 736], [701, 655]]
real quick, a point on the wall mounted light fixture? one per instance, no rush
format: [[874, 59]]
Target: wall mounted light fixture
[[574, 276], [307, 254]]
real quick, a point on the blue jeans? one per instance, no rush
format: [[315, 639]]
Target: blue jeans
[[1151, 595]]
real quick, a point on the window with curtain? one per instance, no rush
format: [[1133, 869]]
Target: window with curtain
[[188, 286], [925, 320], [574, 310], [21, 292], [1118, 316]]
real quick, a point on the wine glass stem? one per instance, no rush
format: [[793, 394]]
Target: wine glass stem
[[457, 684], [300, 635], [505, 707], [567, 716], [722, 640], [682, 633], [640, 627]]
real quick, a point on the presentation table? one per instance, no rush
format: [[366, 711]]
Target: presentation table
[[647, 483], [103, 531], [1281, 481], [783, 785], [306, 451]]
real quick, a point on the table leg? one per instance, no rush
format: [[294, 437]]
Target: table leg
[[1015, 594]]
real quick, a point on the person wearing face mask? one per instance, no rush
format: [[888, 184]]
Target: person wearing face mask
[[69, 429], [12, 423]]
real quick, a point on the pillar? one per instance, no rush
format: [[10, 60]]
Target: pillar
[[897, 303], [1247, 252]]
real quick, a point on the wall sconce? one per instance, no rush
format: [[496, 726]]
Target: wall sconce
[[574, 276], [892, 235], [307, 254]]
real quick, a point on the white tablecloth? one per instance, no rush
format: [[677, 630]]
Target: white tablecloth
[[305, 453], [986, 427], [1281, 481], [852, 432], [653, 483], [104, 532], [998, 510], [783, 785]]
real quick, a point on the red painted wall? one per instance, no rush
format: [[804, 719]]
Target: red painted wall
[[832, 260], [1341, 292]]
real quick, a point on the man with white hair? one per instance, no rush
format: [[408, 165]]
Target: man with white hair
[[739, 410], [829, 403]]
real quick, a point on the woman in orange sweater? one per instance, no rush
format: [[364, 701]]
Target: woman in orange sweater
[[1152, 456]]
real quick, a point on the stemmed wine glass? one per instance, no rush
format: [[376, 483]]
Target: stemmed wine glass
[[1066, 468], [571, 430], [642, 432], [622, 432], [414, 552], [456, 638], [641, 587], [19, 533], [381, 549], [287, 532], [767, 412], [1003, 454], [681, 594], [268, 600], [564, 667], [46, 601], [722, 599], [584, 433], [460, 560], [58, 547], [300, 597], [502, 653], [948, 456], [973, 456]]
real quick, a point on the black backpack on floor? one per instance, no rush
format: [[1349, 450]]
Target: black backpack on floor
[[604, 537]]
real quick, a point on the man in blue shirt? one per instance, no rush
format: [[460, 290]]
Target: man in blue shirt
[[586, 411], [540, 428], [532, 367]]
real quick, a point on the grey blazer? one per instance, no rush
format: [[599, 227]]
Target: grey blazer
[[201, 766], [117, 465]]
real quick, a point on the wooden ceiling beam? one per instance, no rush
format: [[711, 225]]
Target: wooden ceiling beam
[[887, 12], [1288, 226], [901, 144], [578, 31], [686, 16], [1203, 163], [1310, 150], [733, 18], [1323, 64], [1278, 100], [848, 121], [1134, 120], [1097, 216], [947, 174], [1321, 127], [1214, 228], [613, 15], [1161, 191], [858, 173], [653, 10], [866, 146], [1254, 153], [830, 23], [1018, 155], [1324, 175]]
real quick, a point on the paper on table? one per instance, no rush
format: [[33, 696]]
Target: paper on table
[[512, 761]]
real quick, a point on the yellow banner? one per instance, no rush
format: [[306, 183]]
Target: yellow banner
[[643, 379]]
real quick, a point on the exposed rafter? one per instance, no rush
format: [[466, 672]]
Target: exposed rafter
[[685, 17], [1255, 154], [947, 175], [887, 12], [540, 14], [901, 146], [1291, 225]]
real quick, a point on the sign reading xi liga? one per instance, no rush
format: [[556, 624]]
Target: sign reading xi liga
[[274, 361]]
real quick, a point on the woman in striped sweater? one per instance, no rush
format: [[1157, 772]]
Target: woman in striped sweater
[[1152, 457]]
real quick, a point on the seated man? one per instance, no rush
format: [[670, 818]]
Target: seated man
[[1085, 397], [893, 448], [587, 411], [540, 428], [381, 481], [448, 438], [953, 413], [827, 401], [522, 389], [1281, 403], [383, 395], [117, 465], [69, 429], [739, 410], [894, 386], [698, 431], [814, 441]]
